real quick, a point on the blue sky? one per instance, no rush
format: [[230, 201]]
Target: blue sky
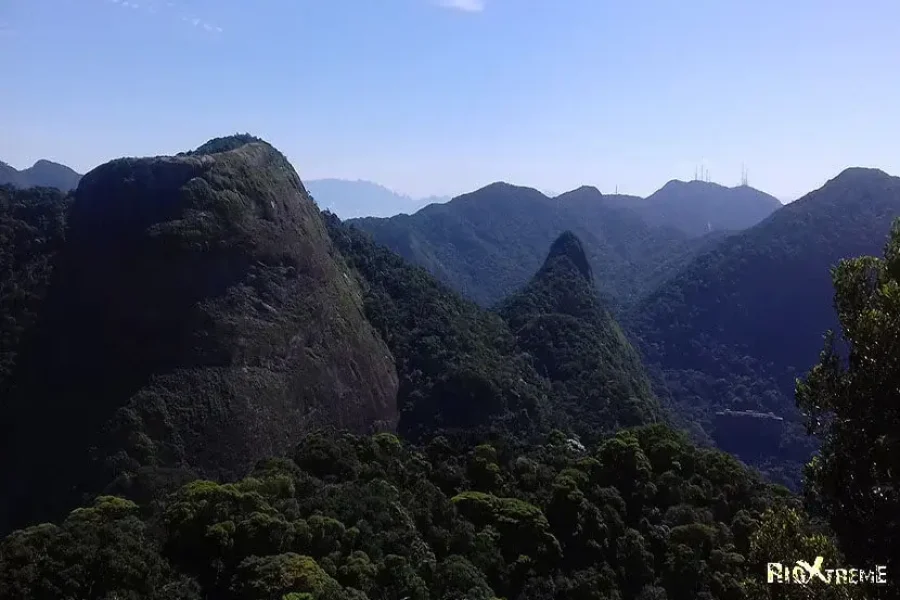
[[430, 97]]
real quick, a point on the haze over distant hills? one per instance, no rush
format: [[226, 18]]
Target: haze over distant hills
[[487, 243], [698, 207], [694, 207], [350, 199], [43, 173]]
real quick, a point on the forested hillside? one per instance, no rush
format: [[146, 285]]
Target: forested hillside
[[737, 326], [598, 381], [460, 371], [487, 244]]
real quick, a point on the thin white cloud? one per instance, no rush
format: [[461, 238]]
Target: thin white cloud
[[463, 5], [200, 23], [154, 7]]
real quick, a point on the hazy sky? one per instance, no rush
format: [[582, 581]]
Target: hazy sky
[[431, 97]]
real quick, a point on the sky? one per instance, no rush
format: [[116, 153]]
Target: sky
[[444, 96]]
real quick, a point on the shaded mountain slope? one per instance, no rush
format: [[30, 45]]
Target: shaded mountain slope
[[735, 328], [460, 372], [43, 173], [32, 231], [199, 318], [698, 207], [488, 243], [598, 380]]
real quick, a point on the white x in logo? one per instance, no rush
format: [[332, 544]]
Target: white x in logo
[[813, 570]]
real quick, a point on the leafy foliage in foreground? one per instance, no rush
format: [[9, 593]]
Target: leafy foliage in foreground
[[645, 515], [852, 401]]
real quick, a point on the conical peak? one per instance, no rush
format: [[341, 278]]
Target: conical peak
[[569, 248]]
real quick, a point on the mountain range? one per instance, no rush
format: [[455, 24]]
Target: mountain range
[[211, 388], [43, 173], [694, 207], [487, 243], [708, 311], [350, 199], [698, 207]]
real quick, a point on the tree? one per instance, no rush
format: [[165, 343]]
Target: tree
[[852, 402], [784, 537], [104, 551]]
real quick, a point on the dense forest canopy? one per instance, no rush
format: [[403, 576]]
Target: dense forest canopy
[[643, 515]]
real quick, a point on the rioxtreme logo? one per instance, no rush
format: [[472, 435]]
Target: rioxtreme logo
[[803, 573]]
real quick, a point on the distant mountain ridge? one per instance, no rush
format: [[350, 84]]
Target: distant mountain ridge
[[43, 173], [699, 207], [352, 199], [487, 244], [694, 207]]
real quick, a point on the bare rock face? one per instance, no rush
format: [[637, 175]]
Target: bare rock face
[[199, 319]]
